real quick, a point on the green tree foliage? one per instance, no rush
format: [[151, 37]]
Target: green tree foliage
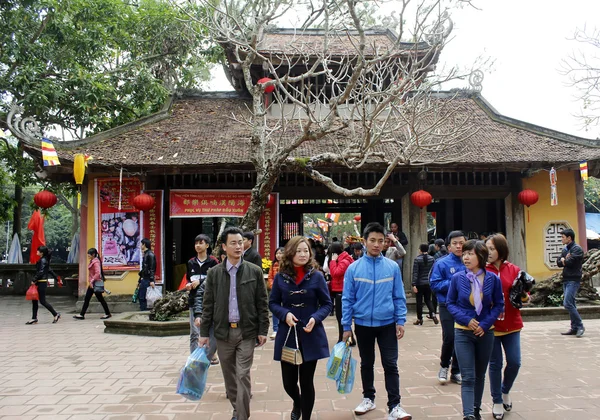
[[592, 195]]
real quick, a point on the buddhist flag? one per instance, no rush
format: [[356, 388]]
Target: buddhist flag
[[332, 216], [583, 168], [49, 155], [323, 225]]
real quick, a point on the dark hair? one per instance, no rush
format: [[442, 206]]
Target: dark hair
[[424, 248], [146, 242], [394, 223], [202, 238], [232, 230], [373, 227], [501, 245], [480, 250], [94, 253], [439, 242], [569, 233], [46, 253], [334, 248], [456, 234], [249, 236], [275, 255], [335, 239], [356, 245], [289, 251]]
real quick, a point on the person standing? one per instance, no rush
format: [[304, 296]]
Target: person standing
[[392, 248], [339, 263], [443, 270], [401, 238], [300, 297], [571, 259], [197, 269], [251, 254], [146, 273], [235, 303], [95, 274], [475, 300], [374, 298], [507, 329], [440, 248], [41, 281], [420, 283], [272, 273]]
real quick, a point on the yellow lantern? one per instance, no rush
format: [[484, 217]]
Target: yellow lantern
[[79, 174]]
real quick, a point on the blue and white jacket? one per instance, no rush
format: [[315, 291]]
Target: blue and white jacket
[[373, 293], [441, 273]]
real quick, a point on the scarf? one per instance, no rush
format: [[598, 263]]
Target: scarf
[[477, 289]]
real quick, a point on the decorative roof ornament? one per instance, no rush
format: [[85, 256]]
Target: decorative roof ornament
[[476, 81], [25, 129], [441, 30]]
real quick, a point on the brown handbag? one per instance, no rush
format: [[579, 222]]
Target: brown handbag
[[290, 355]]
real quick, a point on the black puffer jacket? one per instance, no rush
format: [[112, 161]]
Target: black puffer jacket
[[421, 269], [148, 266], [573, 255]]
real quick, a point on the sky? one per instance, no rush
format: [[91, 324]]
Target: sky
[[527, 39]]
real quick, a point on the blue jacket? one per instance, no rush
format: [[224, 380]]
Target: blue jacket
[[309, 299], [441, 273], [373, 293], [459, 303]]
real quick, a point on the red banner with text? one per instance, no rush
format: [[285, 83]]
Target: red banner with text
[[153, 230]]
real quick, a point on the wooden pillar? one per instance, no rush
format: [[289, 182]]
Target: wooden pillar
[[581, 225], [515, 230], [414, 225], [83, 240]]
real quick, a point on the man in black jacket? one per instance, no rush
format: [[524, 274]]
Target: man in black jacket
[[250, 254], [146, 273], [571, 259], [420, 283]]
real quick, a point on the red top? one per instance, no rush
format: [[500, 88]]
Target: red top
[[94, 270], [300, 272], [337, 269], [272, 273], [512, 316]]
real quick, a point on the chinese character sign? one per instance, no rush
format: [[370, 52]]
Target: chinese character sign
[[208, 203], [153, 230]]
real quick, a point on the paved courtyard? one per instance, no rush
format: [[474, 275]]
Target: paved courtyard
[[72, 370]]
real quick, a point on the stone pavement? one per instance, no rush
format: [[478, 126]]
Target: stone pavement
[[72, 370]]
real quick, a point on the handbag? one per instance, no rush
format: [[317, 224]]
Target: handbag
[[290, 355], [99, 286]]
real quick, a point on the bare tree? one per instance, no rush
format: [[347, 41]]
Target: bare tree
[[359, 96]]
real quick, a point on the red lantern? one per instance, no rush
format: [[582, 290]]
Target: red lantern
[[528, 197], [421, 198], [144, 202], [45, 199], [266, 80], [357, 218]]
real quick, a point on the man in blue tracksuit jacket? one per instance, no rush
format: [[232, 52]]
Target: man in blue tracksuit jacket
[[374, 297], [441, 273]]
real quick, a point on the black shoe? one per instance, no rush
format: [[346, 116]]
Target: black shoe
[[78, 316], [106, 316], [477, 413], [569, 332], [435, 320], [33, 321], [469, 418], [56, 318], [580, 332], [296, 413]]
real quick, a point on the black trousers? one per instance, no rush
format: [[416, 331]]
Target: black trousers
[[42, 292], [448, 353], [388, 349], [88, 296], [304, 398], [424, 292]]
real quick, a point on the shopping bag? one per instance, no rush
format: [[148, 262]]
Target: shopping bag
[[136, 293], [32, 293], [345, 383], [192, 379], [152, 295], [334, 364]]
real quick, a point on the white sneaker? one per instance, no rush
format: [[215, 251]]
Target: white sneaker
[[364, 407], [399, 413], [443, 375], [498, 411], [273, 335], [507, 402]]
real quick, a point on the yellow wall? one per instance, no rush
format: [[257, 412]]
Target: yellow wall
[[122, 286], [542, 212]]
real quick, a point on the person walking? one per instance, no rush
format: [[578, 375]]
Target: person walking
[[338, 264], [41, 281], [475, 301], [571, 260], [300, 297], [441, 273], [95, 275], [251, 254], [146, 273], [507, 329], [272, 273], [235, 303], [196, 270], [374, 298], [420, 283]]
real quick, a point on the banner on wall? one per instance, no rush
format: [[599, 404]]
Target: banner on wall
[[118, 238], [152, 220]]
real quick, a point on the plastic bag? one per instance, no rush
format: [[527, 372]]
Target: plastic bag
[[192, 380], [32, 293], [134, 298], [152, 295], [334, 364], [345, 383]]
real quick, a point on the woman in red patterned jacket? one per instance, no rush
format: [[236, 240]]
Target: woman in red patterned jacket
[[507, 329], [338, 263]]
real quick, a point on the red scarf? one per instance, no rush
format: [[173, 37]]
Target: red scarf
[[299, 273]]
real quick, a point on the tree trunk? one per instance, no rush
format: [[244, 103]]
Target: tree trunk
[[75, 217], [265, 182]]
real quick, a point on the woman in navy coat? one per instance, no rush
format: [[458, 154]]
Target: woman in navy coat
[[300, 298]]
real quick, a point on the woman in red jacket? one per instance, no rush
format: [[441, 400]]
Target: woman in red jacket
[[339, 261], [95, 275], [507, 329]]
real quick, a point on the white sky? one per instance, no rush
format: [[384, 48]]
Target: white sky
[[527, 39]]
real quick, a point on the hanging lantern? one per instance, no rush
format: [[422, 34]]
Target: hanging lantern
[[144, 202], [421, 198], [45, 199], [78, 174], [357, 218], [528, 198], [265, 80]]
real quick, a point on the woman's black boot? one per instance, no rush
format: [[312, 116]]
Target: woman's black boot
[[296, 413]]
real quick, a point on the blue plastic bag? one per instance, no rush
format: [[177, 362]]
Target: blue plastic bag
[[192, 380], [334, 364], [345, 382]]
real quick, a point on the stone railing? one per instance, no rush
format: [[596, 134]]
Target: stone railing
[[16, 278]]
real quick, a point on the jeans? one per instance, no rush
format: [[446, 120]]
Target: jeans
[[195, 333], [41, 286], [304, 398], [512, 349], [448, 355], [144, 284], [424, 292], [388, 349], [570, 289], [474, 356], [88, 296]]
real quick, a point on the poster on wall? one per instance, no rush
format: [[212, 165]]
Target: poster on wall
[[153, 230], [118, 239]]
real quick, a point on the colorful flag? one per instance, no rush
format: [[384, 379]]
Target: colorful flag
[[332, 216], [323, 225], [49, 155], [583, 168]]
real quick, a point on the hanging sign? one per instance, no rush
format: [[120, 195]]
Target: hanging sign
[[152, 220], [583, 169], [553, 193]]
